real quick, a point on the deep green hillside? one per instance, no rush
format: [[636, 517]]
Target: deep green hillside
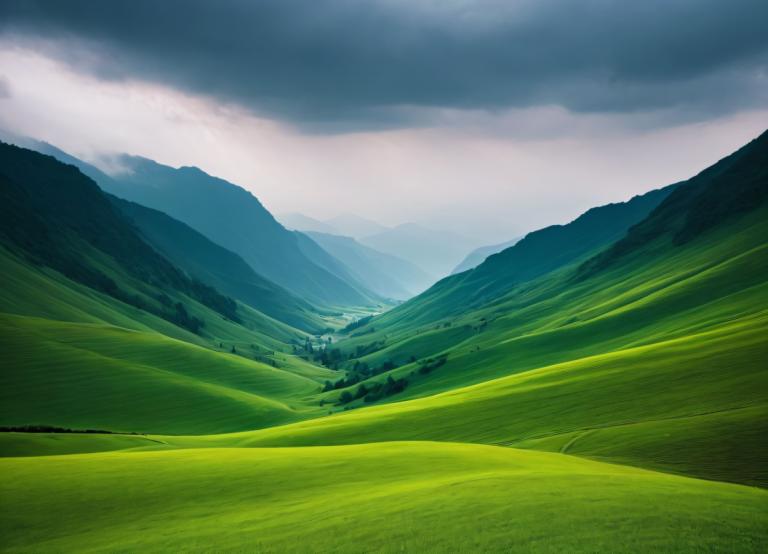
[[538, 253], [219, 267], [78, 358], [260, 240], [99, 330], [57, 217], [736, 185]]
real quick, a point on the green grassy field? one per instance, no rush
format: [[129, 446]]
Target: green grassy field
[[367, 498]]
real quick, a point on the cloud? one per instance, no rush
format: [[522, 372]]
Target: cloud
[[5, 87], [339, 65]]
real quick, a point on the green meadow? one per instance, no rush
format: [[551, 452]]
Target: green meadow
[[415, 496]]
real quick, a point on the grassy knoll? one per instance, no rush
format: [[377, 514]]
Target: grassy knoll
[[382, 497], [87, 375], [75, 357]]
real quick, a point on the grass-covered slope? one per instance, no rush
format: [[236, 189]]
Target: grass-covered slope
[[99, 330], [78, 358], [219, 267], [665, 343], [196, 198], [417, 497], [537, 254], [85, 375], [54, 216]]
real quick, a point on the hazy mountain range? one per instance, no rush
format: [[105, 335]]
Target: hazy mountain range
[[434, 252]]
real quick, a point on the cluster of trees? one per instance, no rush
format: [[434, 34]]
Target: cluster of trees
[[359, 372], [181, 317], [266, 358], [432, 364], [356, 324], [212, 298], [362, 350], [329, 357], [372, 392], [53, 429]]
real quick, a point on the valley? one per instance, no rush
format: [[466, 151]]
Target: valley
[[599, 385]]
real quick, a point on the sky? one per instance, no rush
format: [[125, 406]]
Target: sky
[[490, 118]]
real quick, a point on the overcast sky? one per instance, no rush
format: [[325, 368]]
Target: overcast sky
[[489, 117]]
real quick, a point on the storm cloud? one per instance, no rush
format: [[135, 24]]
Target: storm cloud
[[334, 65]]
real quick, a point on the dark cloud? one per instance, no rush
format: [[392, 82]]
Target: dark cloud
[[338, 64]]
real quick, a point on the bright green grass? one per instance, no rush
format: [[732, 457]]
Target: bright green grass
[[712, 372], [56, 444], [86, 376], [385, 497], [666, 293], [44, 293], [86, 360]]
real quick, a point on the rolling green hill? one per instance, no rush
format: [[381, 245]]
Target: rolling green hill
[[100, 330], [376, 498], [537, 254]]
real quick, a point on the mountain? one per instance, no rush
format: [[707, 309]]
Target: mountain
[[200, 200], [436, 252], [315, 253], [351, 225], [233, 218], [100, 330], [387, 275], [478, 255], [300, 222], [219, 267], [735, 185], [41, 220], [537, 254]]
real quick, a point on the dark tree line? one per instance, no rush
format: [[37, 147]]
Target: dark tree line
[[371, 392]]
